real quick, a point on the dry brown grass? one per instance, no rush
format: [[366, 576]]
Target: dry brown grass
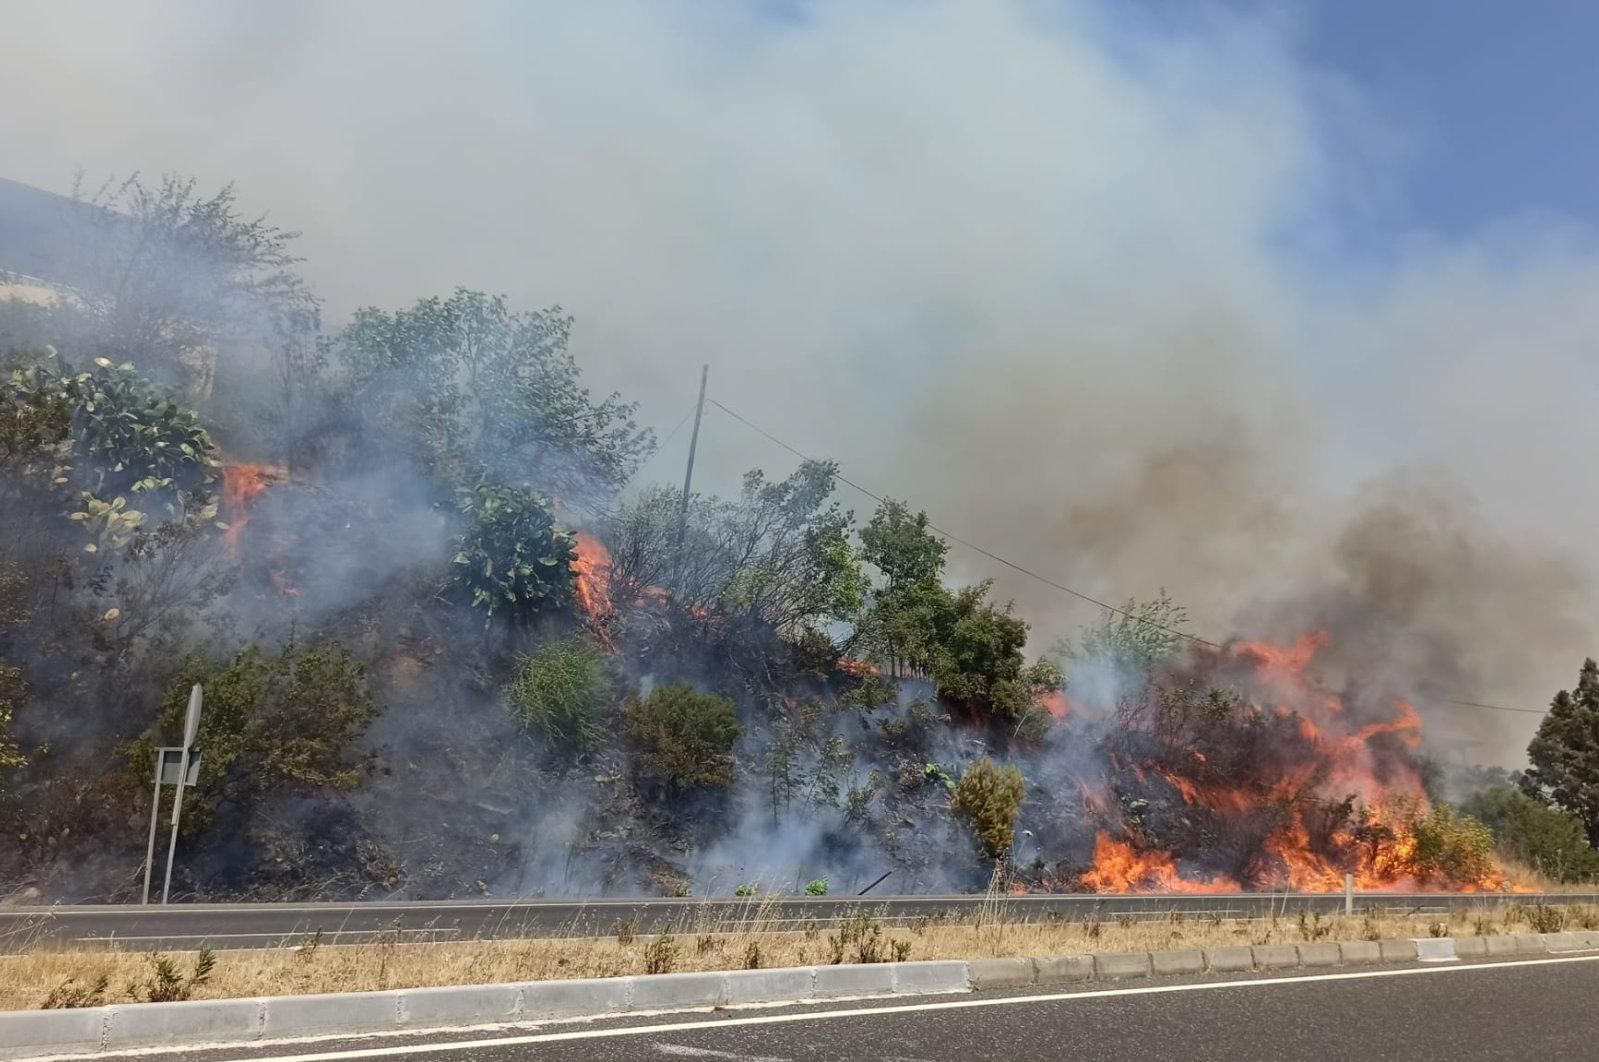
[[27, 978]]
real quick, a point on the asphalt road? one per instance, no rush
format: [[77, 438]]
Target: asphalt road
[[265, 925], [1530, 1009]]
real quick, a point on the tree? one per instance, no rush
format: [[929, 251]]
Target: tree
[[990, 796], [683, 737], [559, 693], [474, 389], [166, 276], [901, 547], [1565, 752], [1551, 842], [978, 660], [273, 722], [1135, 639], [778, 558], [511, 557]]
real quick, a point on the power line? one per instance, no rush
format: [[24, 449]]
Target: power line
[[991, 555]]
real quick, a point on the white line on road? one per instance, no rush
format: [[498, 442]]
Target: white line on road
[[856, 1012]]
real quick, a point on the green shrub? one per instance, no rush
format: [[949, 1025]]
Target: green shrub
[[684, 737], [272, 721], [1551, 841], [559, 693], [1454, 848], [990, 797], [817, 887], [511, 557], [114, 440]]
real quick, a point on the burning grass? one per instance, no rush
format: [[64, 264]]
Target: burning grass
[[29, 978]]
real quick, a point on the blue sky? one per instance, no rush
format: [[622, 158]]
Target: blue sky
[[1501, 99]]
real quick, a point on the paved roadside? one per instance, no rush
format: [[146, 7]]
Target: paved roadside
[[1461, 1012]]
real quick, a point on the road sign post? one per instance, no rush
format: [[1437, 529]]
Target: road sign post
[[185, 772]]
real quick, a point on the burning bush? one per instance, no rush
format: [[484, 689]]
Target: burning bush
[[990, 796], [559, 693], [1235, 767], [683, 737]]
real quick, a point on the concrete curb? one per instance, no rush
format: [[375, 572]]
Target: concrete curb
[[25, 1034]]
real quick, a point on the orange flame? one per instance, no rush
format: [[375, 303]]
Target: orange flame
[[1319, 761], [1119, 867], [241, 485], [591, 566]]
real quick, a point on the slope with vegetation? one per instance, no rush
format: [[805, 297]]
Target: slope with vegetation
[[450, 646]]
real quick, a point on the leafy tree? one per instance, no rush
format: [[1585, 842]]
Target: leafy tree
[[778, 557], [478, 389], [511, 557], [1550, 841], [978, 658], [166, 276], [273, 722], [990, 797], [559, 693], [901, 547], [684, 737], [1142, 635], [1565, 752]]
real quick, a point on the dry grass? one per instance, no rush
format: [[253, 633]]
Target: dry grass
[[27, 978]]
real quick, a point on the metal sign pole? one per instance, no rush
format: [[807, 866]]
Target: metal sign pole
[[155, 813], [191, 727]]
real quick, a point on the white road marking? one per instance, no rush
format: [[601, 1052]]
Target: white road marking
[[857, 1012], [682, 1051]]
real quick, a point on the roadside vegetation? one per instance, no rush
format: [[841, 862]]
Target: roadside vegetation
[[42, 977]]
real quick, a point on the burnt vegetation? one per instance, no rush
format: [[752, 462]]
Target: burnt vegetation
[[450, 644]]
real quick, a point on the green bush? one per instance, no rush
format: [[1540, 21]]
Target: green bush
[[990, 797], [511, 557], [108, 436], [559, 693], [817, 887], [1551, 841], [272, 721], [685, 737], [1455, 848]]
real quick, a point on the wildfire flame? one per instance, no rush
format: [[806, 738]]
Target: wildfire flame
[[1119, 867], [1308, 755], [591, 566], [241, 485]]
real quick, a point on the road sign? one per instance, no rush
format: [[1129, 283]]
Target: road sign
[[171, 764], [180, 768]]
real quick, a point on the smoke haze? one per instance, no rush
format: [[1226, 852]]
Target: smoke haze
[[1067, 276]]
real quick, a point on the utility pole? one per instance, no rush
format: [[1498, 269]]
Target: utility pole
[[693, 444]]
